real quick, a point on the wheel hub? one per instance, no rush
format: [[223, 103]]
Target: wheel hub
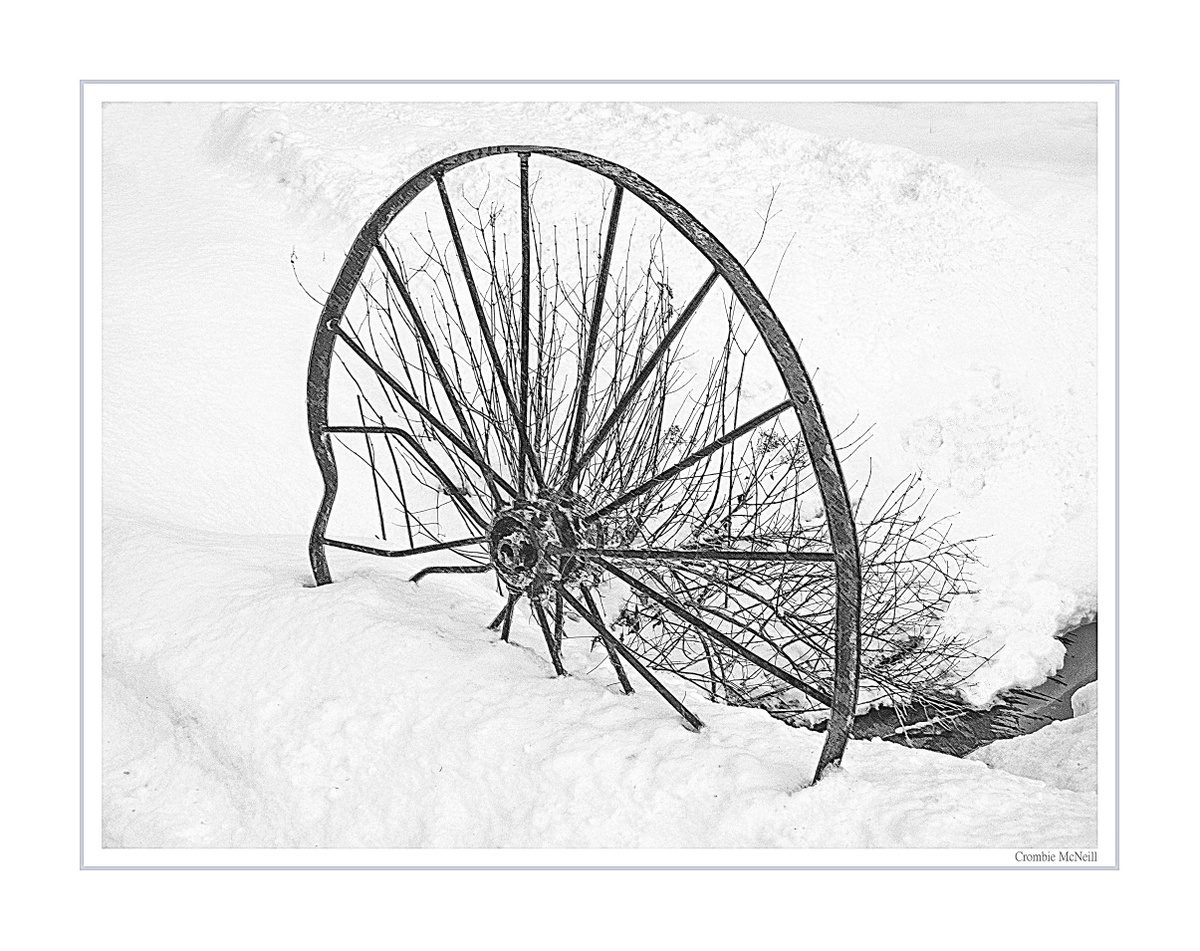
[[527, 541]]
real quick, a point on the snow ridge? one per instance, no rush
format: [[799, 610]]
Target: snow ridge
[[336, 163]]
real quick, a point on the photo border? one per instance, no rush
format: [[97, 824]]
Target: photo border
[[92, 94]]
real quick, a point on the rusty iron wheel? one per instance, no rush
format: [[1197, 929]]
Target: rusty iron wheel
[[534, 490]]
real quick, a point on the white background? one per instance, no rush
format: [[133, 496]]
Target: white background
[[57, 905]]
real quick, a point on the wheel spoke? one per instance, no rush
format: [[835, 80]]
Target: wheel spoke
[[408, 513], [426, 341], [374, 474], [524, 447], [404, 552], [589, 356], [613, 657], [525, 287], [508, 617], [787, 623], [551, 646], [456, 494], [644, 374], [424, 413], [450, 570], [877, 674], [689, 460], [558, 618], [694, 722], [699, 554], [740, 649], [499, 618]]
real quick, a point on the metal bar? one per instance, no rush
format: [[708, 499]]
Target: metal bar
[[426, 341], [429, 417], [589, 357], [639, 381], [613, 657], [404, 552], [700, 554], [395, 430], [508, 617], [741, 650], [499, 618], [450, 570], [465, 264], [374, 473], [551, 646], [689, 460], [525, 287], [694, 723], [558, 618]]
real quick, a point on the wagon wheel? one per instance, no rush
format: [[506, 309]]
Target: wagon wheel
[[547, 430]]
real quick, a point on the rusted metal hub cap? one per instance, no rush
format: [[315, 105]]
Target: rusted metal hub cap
[[527, 540], [518, 551], [530, 543]]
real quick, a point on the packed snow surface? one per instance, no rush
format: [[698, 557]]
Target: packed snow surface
[[244, 708]]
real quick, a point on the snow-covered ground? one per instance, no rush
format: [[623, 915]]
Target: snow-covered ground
[[243, 708]]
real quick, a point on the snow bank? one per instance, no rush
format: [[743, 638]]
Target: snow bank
[[244, 708], [1086, 699], [1062, 754], [963, 330]]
